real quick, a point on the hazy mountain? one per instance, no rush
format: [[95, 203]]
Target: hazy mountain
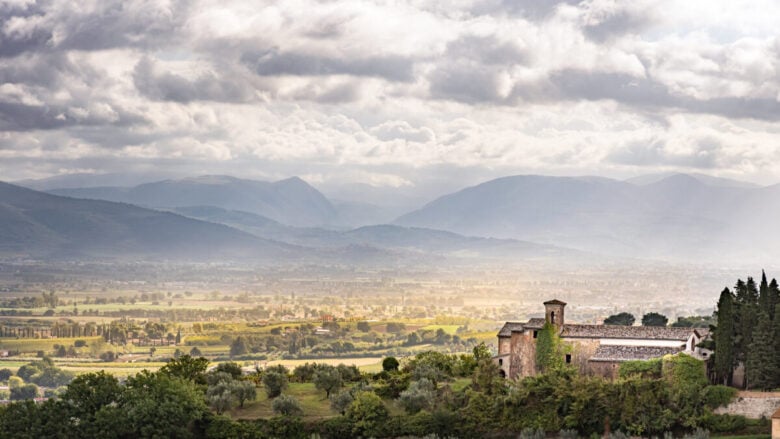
[[390, 237], [680, 216], [82, 180], [703, 178], [291, 201], [38, 224]]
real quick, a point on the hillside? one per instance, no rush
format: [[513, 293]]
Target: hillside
[[38, 224], [291, 201], [678, 217]]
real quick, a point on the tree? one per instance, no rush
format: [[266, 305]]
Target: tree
[[654, 319], [5, 374], [26, 391], [274, 383], [548, 349], [159, 405], [366, 412], [220, 395], [178, 337], [238, 347], [195, 352], [327, 378], [231, 368], [390, 364], [724, 337], [341, 401], [187, 368], [286, 405], [622, 319], [244, 391], [363, 327], [481, 352], [761, 367], [420, 395]]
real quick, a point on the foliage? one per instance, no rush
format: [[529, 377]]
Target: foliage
[[328, 379], [420, 395], [287, 406], [549, 354], [724, 337], [654, 319], [244, 391], [367, 413], [231, 368], [341, 401], [717, 396], [763, 370], [390, 364], [26, 391], [5, 374], [644, 369], [220, 396], [622, 319], [187, 368], [274, 382]]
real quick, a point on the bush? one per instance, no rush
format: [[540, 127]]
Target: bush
[[286, 405], [723, 423], [80, 343], [27, 391], [644, 369], [341, 401], [231, 368], [717, 396], [530, 433], [5, 374], [367, 412], [390, 364], [421, 395]]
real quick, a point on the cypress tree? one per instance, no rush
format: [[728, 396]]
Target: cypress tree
[[774, 298], [763, 294], [724, 337], [761, 365], [776, 334]]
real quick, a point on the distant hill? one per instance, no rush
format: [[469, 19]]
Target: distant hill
[[291, 201], [37, 224], [706, 179], [389, 237], [679, 216]]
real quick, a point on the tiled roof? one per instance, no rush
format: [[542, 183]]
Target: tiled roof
[[627, 353], [635, 332], [554, 302], [509, 328], [535, 323]]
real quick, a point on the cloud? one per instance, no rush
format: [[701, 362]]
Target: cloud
[[466, 88], [274, 63]]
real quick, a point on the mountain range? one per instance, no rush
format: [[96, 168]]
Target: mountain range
[[669, 216], [676, 217]]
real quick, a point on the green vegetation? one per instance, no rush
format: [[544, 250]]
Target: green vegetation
[[623, 319]]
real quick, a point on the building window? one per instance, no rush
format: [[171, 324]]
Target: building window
[[500, 361], [552, 317], [536, 334], [568, 358]]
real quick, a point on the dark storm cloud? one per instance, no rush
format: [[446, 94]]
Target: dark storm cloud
[[275, 63], [208, 86]]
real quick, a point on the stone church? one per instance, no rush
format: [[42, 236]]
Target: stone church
[[593, 349]]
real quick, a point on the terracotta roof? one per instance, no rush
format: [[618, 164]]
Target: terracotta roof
[[509, 328], [554, 302], [635, 332], [627, 353]]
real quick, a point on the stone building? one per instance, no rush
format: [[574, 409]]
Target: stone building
[[593, 349]]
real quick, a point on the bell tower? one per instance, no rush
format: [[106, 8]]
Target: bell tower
[[553, 312]]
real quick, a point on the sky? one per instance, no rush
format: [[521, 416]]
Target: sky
[[396, 94]]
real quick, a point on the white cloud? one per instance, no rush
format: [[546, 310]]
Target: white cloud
[[378, 91]]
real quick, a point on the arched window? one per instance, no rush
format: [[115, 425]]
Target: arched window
[[552, 316]]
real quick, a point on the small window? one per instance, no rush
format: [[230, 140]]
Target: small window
[[703, 354], [500, 361], [536, 334], [568, 358]]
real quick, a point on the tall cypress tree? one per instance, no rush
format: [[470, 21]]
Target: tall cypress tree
[[761, 366], [774, 298], [763, 294], [745, 311], [724, 337], [776, 334]]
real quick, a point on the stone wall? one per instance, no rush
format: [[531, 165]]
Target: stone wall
[[581, 350], [604, 369], [523, 359], [752, 405]]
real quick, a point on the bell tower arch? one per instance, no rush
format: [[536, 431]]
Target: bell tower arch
[[554, 312]]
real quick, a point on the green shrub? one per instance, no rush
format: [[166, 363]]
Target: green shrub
[[717, 396]]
